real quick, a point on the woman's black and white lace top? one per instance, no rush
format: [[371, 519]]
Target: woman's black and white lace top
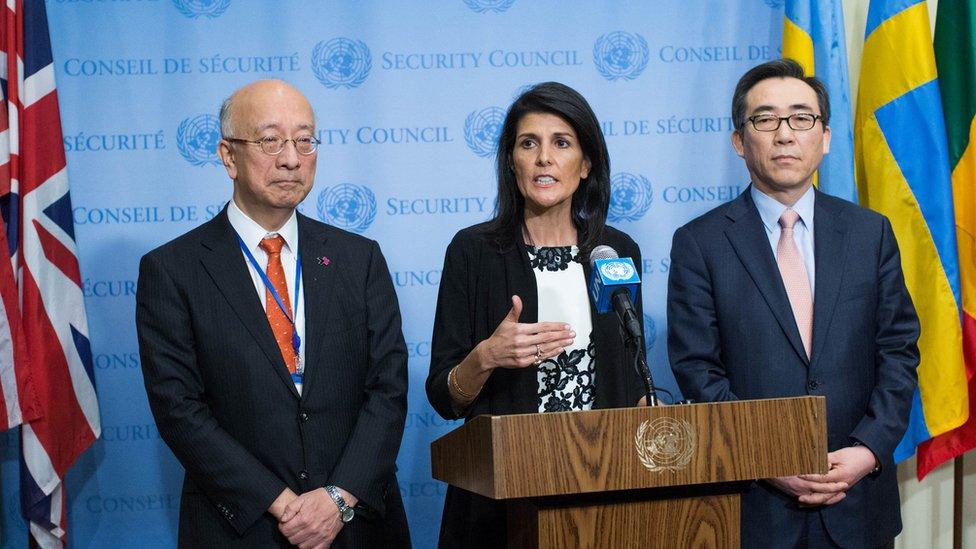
[[566, 382]]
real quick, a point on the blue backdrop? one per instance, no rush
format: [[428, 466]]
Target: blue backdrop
[[409, 97]]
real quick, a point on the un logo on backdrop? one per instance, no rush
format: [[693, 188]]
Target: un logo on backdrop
[[630, 197], [341, 62], [620, 55], [774, 4], [650, 334], [482, 6], [197, 138], [482, 129], [347, 206], [521, 90], [196, 8]]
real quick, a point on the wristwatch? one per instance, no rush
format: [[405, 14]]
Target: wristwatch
[[345, 512]]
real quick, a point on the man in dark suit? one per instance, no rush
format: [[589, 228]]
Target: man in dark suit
[[785, 291], [273, 354]]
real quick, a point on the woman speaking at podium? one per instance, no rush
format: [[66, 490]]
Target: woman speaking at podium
[[515, 329]]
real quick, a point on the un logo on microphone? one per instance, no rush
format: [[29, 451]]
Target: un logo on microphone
[[196, 8], [482, 129], [347, 206], [630, 197], [620, 55], [617, 270], [481, 6], [197, 139], [341, 62]]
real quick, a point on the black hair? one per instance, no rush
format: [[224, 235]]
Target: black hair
[[778, 68], [591, 200]]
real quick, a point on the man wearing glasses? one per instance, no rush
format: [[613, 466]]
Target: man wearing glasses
[[273, 355], [786, 291]]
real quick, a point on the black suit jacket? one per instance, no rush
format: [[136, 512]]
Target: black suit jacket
[[732, 335], [225, 404], [477, 283]]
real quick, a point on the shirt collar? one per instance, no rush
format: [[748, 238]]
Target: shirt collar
[[771, 209], [252, 233]]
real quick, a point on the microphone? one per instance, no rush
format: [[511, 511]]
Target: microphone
[[614, 284]]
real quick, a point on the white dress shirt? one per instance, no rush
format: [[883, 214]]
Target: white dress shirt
[[252, 234]]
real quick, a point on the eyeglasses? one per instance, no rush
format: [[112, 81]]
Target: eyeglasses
[[800, 121], [274, 144]]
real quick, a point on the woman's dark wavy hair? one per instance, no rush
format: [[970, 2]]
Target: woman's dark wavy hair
[[590, 201]]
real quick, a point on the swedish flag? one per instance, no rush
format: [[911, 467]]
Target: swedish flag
[[902, 169]]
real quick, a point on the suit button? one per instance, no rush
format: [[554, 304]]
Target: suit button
[[813, 384], [303, 416], [303, 475]]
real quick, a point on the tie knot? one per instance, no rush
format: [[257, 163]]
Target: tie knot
[[788, 219], [272, 244]]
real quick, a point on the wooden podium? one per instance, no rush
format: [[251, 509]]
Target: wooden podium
[[668, 476]]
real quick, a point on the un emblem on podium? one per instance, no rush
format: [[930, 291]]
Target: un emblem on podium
[[482, 6], [630, 197], [665, 444], [482, 129], [347, 206], [196, 8], [620, 55], [341, 62], [197, 139]]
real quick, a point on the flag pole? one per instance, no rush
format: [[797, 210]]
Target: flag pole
[[957, 499]]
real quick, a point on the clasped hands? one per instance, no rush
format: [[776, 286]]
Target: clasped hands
[[309, 520], [846, 467], [518, 345]]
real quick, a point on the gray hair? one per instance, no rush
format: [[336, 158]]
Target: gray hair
[[226, 124]]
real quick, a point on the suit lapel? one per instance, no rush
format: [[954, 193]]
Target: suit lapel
[[224, 262], [521, 278], [317, 281], [830, 256], [748, 237]]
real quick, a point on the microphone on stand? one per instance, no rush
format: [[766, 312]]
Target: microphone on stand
[[613, 284]]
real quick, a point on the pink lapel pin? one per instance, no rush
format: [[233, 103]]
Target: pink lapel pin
[[324, 261]]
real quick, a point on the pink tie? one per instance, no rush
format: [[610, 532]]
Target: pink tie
[[794, 274]]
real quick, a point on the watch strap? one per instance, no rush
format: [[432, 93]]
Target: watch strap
[[346, 512]]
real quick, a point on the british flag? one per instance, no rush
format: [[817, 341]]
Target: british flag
[[36, 206]]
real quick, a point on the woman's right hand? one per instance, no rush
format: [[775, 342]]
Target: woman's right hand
[[518, 345]]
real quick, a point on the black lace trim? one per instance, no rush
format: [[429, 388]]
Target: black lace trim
[[550, 258], [554, 392]]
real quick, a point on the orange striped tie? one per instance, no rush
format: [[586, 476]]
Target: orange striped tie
[[280, 324]]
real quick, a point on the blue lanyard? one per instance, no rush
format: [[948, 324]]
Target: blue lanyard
[[296, 341]]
